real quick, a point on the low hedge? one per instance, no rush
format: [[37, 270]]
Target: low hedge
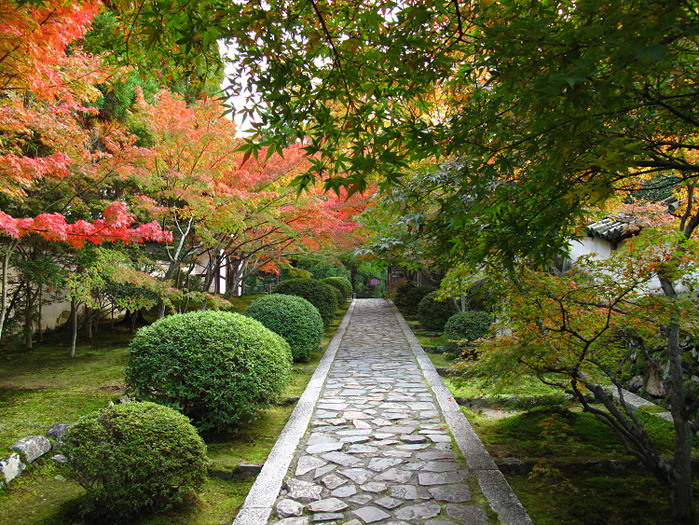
[[217, 368], [319, 294], [293, 318], [465, 327]]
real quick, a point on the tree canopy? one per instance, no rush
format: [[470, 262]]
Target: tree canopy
[[549, 106], [105, 149]]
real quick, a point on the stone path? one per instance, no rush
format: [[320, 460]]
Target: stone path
[[380, 447]]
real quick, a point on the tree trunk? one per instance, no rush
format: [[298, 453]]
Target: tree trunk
[[134, 320], [41, 313], [680, 493], [88, 322], [161, 309], [175, 260], [5, 270], [73, 327], [28, 318], [160, 312]]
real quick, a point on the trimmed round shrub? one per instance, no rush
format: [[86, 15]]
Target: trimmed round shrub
[[340, 282], [433, 313], [134, 459], [464, 328], [217, 368], [292, 317], [319, 294], [339, 296]]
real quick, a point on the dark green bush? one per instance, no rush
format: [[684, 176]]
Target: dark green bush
[[319, 294], [408, 296], [133, 459], [292, 317], [340, 282], [416, 295], [339, 296], [465, 327], [433, 313], [400, 293], [217, 368]]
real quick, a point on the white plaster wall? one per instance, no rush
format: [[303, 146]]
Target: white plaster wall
[[602, 248], [55, 314]]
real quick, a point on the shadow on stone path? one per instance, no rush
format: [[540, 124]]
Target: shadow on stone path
[[380, 444]]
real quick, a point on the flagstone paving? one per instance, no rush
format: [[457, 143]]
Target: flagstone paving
[[379, 445]]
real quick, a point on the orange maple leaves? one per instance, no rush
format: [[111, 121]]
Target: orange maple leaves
[[33, 40]]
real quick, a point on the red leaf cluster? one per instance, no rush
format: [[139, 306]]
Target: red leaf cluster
[[114, 227]]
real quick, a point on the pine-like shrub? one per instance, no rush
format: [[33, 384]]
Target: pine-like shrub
[[464, 328], [217, 368], [340, 282], [416, 295], [133, 459], [433, 313], [319, 294], [293, 318]]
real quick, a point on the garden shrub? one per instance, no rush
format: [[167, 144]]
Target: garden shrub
[[400, 293], [319, 294], [217, 368], [299, 273], [464, 327], [416, 295], [133, 459], [340, 282], [408, 296], [293, 318], [339, 296], [434, 313]]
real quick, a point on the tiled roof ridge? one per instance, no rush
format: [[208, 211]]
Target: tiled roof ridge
[[614, 228]]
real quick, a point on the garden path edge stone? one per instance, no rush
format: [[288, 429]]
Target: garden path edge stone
[[492, 483], [257, 507]]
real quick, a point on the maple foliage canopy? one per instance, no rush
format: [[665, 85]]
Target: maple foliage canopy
[[45, 113], [224, 205], [115, 226], [33, 41]]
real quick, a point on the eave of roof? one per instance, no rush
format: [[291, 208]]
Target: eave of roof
[[613, 229]]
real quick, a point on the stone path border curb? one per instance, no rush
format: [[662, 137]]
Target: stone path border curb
[[492, 483], [258, 504]]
